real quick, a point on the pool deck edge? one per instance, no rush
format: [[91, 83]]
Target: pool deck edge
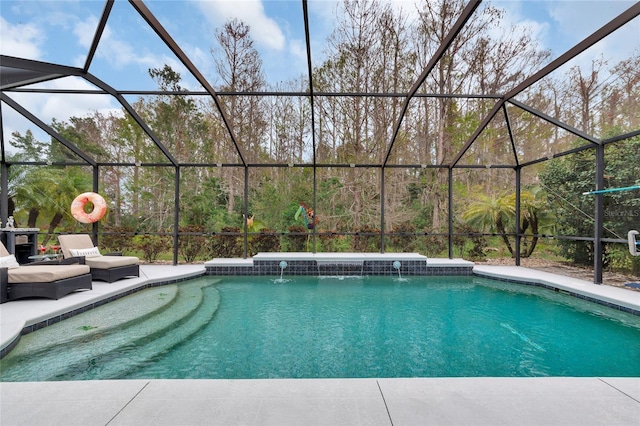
[[613, 296], [321, 402]]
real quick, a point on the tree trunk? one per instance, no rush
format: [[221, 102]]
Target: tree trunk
[[503, 233], [55, 221], [33, 217]]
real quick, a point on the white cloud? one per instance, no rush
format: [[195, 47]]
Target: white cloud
[[85, 30], [119, 53], [62, 107], [576, 20], [298, 49], [20, 40], [202, 61], [264, 30]]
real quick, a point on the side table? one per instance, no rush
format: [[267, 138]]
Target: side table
[[21, 242]]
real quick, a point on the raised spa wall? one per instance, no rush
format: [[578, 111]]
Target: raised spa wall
[[405, 264]]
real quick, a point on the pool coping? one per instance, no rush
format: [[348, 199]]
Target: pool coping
[[22, 316], [614, 297]]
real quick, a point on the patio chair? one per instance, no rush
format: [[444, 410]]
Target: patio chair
[[49, 279], [109, 267]]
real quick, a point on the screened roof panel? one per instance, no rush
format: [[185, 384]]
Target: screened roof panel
[[358, 46], [559, 25], [15, 130], [596, 82], [272, 30], [379, 48], [161, 129], [129, 48], [493, 147], [536, 138], [287, 138], [46, 109]]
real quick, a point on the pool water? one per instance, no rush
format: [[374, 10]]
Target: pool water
[[314, 327]]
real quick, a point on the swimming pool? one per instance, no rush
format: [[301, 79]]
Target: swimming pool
[[253, 327]]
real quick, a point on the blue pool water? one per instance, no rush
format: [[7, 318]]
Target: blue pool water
[[315, 327]]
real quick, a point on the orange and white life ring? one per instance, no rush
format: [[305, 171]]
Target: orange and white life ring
[[99, 207]]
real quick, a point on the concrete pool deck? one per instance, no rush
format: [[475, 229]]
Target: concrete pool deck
[[411, 401]]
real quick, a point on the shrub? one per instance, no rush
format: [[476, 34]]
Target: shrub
[[117, 239], [227, 245], [190, 247], [296, 242], [152, 245], [367, 239], [267, 242], [331, 242], [405, 242]]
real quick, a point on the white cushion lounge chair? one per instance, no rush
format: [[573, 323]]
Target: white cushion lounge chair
[[109, 267], [49, 279]]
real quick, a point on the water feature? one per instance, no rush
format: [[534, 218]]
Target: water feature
[[283, 265], [340, 268], [397, 265]]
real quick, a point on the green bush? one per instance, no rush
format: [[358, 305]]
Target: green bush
[[190, 247], [330, 242], [152, 245], [266, 242], [403, 243], [367, 239], [116, 239], [227, 245], [296, 242]]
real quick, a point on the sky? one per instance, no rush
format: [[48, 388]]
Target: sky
[[61, 31]]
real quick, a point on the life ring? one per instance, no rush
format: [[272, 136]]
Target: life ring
[[99, 207]]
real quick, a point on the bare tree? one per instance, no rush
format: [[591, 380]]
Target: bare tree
[[240, 68], [586, 88]]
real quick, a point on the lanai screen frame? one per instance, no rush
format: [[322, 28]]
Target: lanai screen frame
[[15, 73]]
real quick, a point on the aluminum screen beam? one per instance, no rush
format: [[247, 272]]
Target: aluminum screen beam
[[305, 13], [98, 35], [16, 72]]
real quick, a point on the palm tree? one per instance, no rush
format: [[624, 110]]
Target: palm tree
[[29, 193], [492, 214], [49, 191], [63, 186], [533, 215]]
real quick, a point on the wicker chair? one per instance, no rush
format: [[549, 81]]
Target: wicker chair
[[48, 279], [109, 267]]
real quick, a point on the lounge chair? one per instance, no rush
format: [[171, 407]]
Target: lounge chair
[[109, 267], [49, 279]]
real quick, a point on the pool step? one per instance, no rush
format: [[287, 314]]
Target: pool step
[[124, 360], [99, 321], [87, 355]]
